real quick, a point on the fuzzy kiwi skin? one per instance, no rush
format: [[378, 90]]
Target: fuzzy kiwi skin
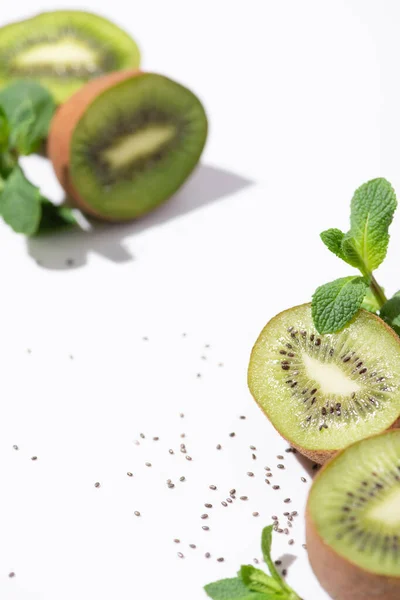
[[342, 579], [321, 456], [62, 129]]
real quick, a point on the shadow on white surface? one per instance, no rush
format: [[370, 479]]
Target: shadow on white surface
[[287, 560], [308, 465], [71, 249]]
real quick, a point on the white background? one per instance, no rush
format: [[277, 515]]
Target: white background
[[303, 100]]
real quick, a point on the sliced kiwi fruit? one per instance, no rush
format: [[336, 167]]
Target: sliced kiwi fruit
[[324, 392], [63, 50], [353, 521], [126, 142]]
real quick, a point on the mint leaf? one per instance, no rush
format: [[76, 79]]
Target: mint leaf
[[332, 239], [232, 589], [335, 304], [4, 131], [390, 312], [29, 108], [372, 209], [351, 255], [266, 545], [258, 581], [20, 203], [370, 302], [55, 218]]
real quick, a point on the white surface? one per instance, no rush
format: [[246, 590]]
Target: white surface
[[304, 103]]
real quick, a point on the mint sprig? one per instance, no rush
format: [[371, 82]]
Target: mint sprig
[[252, 583], [26, 110], [364, 247]]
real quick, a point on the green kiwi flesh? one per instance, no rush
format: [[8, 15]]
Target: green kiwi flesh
[[63, 50], [323, 392], [354, 504], [135, 145]]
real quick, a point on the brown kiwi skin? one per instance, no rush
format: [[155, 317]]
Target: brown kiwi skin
[[322, 456], [63, 126], [342, 579]]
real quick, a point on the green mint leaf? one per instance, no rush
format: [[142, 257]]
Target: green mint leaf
[[258, 581], [332, 239], [266, 544], [335, 304], [29, 108], [390, 312], [351, 255], [372, 209], [55, 218], [232, 589], [20, 203], [370, 302]]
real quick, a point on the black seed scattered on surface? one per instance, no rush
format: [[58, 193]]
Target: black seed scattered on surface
[[183, 435], [294, 513], [155, 439], [291, 542], [97, 484], [255, 514], [205, 528], [198, 375], [192, 546], [232, 434], [287, 500], [171, 485], [242, 417], [278, 563], [148, 464], [181, 415], [205, 516], [188, 457], [182, 478], [207, 555], [304, 480], [286, 514], [213, 487], [267, 468], [250, 473], [253, 456], [219, 446], [142, 436], [304, 546], [244, 497], [280, 457], [177, 541], [224, 503], [253, 448], [12, 574], [136, 513], [129, 474], [170, 451], [232, 492], [256, 561], [220, 559], [180, 555], [274, 518], [34, 458], [15, 447], [286, 531], [276, 487], [284, 572], [268, 474], [280, 466], [137, 443], [229, 500], [208, 505]]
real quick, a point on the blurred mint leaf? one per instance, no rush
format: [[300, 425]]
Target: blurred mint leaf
[[372, 210], [20, 204], [258, 581], [4, 131], [335, 304], [390, 313], [266, 545], [332, 239], [55, 218], [231, 589], [29, 108]]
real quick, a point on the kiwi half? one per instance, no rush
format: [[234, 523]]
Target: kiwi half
[[63, 50], [353, 521], [324, 392], [126, 142]]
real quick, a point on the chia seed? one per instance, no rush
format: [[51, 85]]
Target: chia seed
[[213, 487], [136, 513], [97, 484], [129, 474]]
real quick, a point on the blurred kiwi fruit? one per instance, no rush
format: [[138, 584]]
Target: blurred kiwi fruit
[[63, 50], [124, 143]]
